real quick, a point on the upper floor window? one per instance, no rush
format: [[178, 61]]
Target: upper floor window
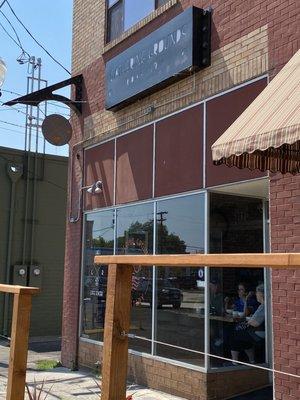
[[123, 14]]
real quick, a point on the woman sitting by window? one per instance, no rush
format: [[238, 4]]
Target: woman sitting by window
[[247, 334]]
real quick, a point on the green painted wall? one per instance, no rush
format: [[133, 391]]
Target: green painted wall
[[49, 237]]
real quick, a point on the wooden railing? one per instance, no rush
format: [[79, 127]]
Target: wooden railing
[[19, 339], [118, 301]]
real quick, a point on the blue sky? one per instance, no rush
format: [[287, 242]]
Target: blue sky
[[51, 23]]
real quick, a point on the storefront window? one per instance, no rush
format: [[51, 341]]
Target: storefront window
[[168, 304], [180, 291], [135, 236], [237, 307], [99, 239]]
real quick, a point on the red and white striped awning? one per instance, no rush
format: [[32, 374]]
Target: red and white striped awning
[[266, 136]]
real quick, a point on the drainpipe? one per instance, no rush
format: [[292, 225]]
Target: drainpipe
[[14, 172]]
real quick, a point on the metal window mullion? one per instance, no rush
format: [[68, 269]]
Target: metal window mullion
[[115, 231], [154, 271], [206, 289], [268, 289], [82, 272]]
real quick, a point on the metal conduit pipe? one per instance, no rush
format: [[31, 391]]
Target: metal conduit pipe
[[28, 149], [35, 169], [14, 172]]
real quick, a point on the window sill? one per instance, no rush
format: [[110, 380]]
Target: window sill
[[139, 25]]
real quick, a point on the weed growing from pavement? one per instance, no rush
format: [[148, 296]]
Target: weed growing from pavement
[[44, 365]]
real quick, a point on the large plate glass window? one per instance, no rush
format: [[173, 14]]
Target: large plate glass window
[[237, 312], [179, 298], [123, 14], [98, 239], [135, 236]]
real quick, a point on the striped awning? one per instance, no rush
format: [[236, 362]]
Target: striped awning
[[266, 136]]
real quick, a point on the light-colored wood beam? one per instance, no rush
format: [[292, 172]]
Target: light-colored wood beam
[[19, 347], [15, 289], [117, 325], [275, 260]]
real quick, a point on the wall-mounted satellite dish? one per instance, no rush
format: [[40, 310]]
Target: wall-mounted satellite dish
[[57, 130]]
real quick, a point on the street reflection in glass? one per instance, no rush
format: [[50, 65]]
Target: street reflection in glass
[[180, 291], [99, 240], [135, 236]]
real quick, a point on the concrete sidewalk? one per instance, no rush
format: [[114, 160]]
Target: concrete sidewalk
[[66, 384]]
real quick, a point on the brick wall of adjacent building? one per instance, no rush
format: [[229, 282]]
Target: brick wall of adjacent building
[[285, 237], [249, 39]]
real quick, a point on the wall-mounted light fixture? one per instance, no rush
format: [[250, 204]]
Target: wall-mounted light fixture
[[95, 188]]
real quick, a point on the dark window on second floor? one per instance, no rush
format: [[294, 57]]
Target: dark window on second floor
[[123, 14]]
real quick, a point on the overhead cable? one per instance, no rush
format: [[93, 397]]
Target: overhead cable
[[36, 41], [15, 32]]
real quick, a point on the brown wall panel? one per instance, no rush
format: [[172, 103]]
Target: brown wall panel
[[99, 166], [179, 141], [135, 166], [221, 112]]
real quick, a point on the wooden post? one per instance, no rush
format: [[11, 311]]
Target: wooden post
[[19, 347], [117, 325]]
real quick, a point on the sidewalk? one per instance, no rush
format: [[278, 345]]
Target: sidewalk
[[67, 385]]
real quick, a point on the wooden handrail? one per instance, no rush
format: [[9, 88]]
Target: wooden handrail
[[276, 260], [118, 301], [15, 289], [19, 339]]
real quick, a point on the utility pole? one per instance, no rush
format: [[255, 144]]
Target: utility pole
[[160, 221]]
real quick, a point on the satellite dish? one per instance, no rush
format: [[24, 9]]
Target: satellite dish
[[57, 130]]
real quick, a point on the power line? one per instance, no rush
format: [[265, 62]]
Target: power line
[[10, 123], [36, 41], [11, 130], [18, 132], [9, 35], [49, 102], [12, 108], [2, 4], [15, 32]]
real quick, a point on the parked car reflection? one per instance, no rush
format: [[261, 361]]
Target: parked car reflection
[[167, 294]]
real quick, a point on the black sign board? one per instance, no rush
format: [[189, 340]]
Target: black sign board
[[181, 45]]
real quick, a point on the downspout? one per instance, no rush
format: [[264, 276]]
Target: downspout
[[14, 172]]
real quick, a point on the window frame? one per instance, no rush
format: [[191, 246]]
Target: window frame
[[108, 21]]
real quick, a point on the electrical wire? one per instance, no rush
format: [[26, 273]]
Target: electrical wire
[[2, 4], [9, 35], [36, 41], [15, 32], [10, 123], [49, 102], [12, 108]]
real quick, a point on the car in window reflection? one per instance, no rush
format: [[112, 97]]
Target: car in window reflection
[[167, 294]]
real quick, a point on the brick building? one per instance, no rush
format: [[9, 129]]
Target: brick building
[[161, 193]]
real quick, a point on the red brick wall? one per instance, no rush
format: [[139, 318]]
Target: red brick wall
[[285, 237], [231, 20]]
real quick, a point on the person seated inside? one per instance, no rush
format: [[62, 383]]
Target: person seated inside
[[249, 333], [216, 298], [246, 302]]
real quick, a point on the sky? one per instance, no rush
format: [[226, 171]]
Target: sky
[[51, 23]]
